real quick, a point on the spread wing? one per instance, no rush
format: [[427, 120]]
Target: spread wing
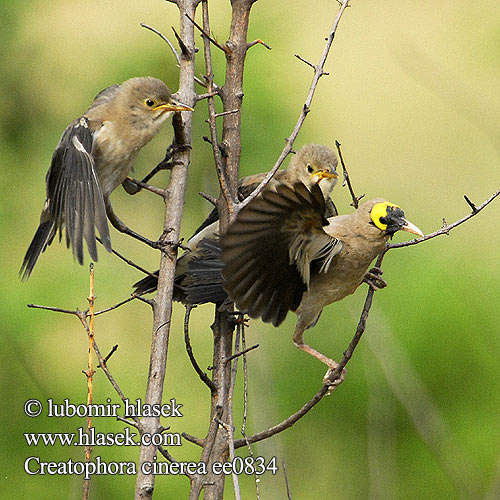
[[270, 248], [73, 191]]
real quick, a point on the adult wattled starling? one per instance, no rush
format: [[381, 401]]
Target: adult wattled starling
[[313, 164], [281, 255], [94, 155]]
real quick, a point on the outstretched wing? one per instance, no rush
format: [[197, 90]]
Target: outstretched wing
[[268, 251], [74, 195]]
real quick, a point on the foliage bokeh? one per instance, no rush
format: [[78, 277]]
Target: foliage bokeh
[[413, 97]]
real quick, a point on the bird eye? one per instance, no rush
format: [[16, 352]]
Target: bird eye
[[310, 169], [149, 102], [383, 220]]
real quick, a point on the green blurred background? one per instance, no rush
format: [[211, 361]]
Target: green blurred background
[[414, 97]]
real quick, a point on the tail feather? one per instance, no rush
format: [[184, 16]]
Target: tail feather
[[203, 282], [43, 237]]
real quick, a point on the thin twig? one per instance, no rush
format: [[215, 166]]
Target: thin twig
[[230, 426], [203, 376], [241, 353], [245, 407], [224, 113], [260, 42], [347, 180], [90, 376], [110, 353], [285, 424], [164, 38], [318, 73], [209, 198], [116, 306], [206, 35], [448, 227], [209, 78], [288, 491], [148, 187], [54, 309], [127, 261]]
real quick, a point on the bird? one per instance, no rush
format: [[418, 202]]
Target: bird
[[281, 254], [312, 164], [93, 157]]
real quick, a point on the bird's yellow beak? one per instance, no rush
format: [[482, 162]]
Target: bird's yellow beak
[[411, 228], [324, 174], [173, 106]]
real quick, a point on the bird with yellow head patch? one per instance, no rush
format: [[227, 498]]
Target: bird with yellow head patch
[[312, 164], [281, 255]]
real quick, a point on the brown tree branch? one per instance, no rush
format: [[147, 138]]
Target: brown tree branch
[[318, 73], [203, 376], [214, 141], [174, 203], [347, 179], [447, 227]]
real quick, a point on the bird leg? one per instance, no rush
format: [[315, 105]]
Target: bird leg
[[298, 340], [373, 279], [120, 226]]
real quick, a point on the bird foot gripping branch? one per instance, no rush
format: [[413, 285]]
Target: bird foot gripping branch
[[333, 379], [373, 279], [94, 156]]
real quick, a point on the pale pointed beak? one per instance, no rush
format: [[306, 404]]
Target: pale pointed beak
[[173, 106], [324, 174], [411, 228]]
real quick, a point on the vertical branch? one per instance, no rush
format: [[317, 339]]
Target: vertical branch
[[90, 374], [216, 444], [162, 307], [212, 119]]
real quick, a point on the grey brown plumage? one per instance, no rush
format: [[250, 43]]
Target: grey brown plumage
[[312, 164], [94, 155], [281, 254]]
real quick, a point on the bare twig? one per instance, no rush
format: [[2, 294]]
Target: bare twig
[[144, 185], [203, 376], [205, 34], [225, 113], [209, 78], [116, 306], [230, 425], [446, 227], [285, 424], [209, 198], [318, 73], [110, 353], [288, 491], [347, 179], [164, 38], [127, 261], [90, 376], [259, 41], [54, 309], [162, 306], [241, 353]]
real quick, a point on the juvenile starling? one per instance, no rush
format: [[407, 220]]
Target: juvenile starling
[[94, 155], [281, 255], [313, 164]]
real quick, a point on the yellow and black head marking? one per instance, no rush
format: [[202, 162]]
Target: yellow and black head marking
[[390, 218]]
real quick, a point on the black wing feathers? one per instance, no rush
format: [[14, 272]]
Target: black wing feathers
[[259, 274], [74, 199]]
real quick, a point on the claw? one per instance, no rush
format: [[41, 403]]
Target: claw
[[373, 279], [333, 384]]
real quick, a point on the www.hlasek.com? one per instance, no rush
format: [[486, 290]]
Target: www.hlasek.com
[[34, 465]]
